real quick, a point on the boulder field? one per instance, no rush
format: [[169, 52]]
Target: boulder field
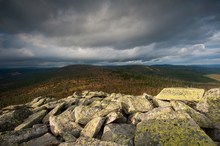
[[176, 116]]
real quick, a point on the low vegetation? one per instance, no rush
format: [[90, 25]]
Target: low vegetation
[[27, 84]]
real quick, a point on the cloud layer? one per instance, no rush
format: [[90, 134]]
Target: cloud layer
[[57, 33]]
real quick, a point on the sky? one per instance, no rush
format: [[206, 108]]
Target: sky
[[48, 33]]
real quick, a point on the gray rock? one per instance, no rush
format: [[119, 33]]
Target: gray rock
[[32, 119], [132, 104], [92, 128], [86, 141], [45, 140], [185, 94], [199, 118], [54, 112], [96, 94], [154, 113], [17, 137], [69, 137], [161, 103], [120, 133], [39, 103], [171, 128], [210, 105], [64, 123], [116, 117], [13, 118], [84, 114]]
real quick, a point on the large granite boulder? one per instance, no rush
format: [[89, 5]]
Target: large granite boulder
[[210, 105], [173, 128], [12, 119], [132, 104], [185, 94], [199, 118], [32, 119], [120, 133], [84, 114], [64, 123], [57, 110], [93, 127]]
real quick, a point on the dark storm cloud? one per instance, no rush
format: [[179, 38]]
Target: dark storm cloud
[[102, 31]]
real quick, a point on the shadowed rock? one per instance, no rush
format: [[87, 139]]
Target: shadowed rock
[[10, 120], [32, 119], [17, 137], [45, 140]]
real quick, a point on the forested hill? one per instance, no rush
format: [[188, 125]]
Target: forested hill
[[21, 85]]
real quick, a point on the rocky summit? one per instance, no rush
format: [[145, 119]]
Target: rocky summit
[[176, 116]]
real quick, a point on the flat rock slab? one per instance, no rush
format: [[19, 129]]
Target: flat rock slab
[[85, 141], [17, 137], [188, 94], [45, 140], [32, 119]]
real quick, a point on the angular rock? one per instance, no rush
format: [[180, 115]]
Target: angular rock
[[132, 104], [199, 118], [154, 113], [84, 114], [185, 94], [134, 118], [32, 119], [69, 137], [64, 123], [96, 94], [174, 128], [116, 117], [54, 112], [45, 140], [39, 103], [10, 120], [210, 105], [161, 103], [120, 133], [92, 128], [86, 141], [17, 137]]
